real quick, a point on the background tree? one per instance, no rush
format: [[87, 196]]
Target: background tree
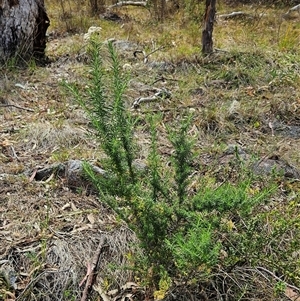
[[23, 26], [208, 26], [97, 6], [159, 8]]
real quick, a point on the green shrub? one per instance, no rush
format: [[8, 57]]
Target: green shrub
[[228, 197], [194, 250], [181, 234]]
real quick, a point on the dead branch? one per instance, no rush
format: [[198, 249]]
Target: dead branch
[[18, 107], [163, 79], [293, 9], [145, 55], [163, 93], [128, 3], [153, 51], [91, 275], [259, 269], [14, 153], [233, 15]]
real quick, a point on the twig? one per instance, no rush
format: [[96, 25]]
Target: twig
[[162, 110], [271, 127], [294, 8], [163, 79], [153, 51], [88, 272], [14, 153], [146, 56], [163, 93], [18, 107], [277, 278], [221, 50], [233, 15], [93, 268]]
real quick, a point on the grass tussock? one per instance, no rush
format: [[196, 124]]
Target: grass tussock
[[48, 136]]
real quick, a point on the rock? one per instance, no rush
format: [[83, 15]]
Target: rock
[[233, 152], [123, 45], [275, 165], [265, 166], [292, 131], [8, 275], [140, 165], [74, 174], [43, 174], [124, 48], [72, 171]]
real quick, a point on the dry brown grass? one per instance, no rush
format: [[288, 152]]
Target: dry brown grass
[[51, 236]]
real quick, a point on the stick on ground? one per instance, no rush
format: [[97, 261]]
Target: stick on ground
[[93, 268]]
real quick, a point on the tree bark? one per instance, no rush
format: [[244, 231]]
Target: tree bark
[[208, 26], [97, 6], [23, 26], [159, 7]]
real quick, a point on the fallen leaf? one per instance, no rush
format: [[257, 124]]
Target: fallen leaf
[[291, 294], [231, 226], [74, 208], [32, 176], [6, 143], [129, 285], [65, 206], [99, 290], [91, 218]]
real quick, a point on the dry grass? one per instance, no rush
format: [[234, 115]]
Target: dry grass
[[46, 245]]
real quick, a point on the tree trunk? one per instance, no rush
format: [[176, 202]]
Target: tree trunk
[[159, 8], [23, 26], [209, 18], [97, 6]]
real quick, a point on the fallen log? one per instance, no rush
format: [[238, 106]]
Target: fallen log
[[128, 3], [233, 15]]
